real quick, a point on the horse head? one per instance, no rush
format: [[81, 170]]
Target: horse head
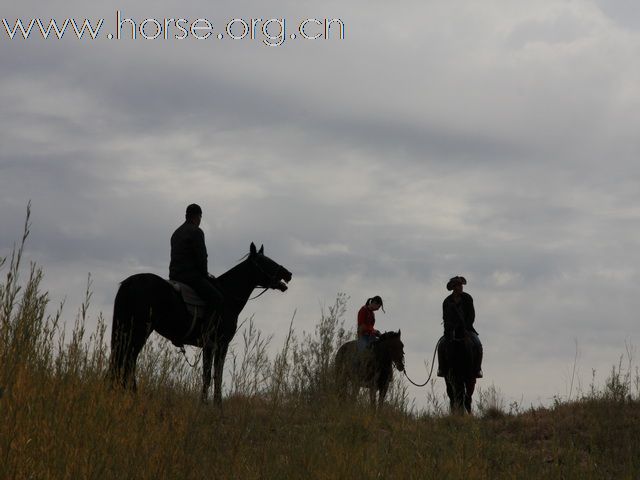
[[269, 274], [393, 344]]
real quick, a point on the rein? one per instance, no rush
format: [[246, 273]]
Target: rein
[[260, 294], [430, 373]]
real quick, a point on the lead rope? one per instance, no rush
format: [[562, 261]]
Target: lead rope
[[184, 354], [431, 372]]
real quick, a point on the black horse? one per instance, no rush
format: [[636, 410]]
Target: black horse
[[146, 302], [460, 366], [372, 368]]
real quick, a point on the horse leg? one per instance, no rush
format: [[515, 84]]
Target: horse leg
[[372, 396], [382, 395], [219, 356], [207, 362], [460, 395], [450, 394], [470, 387], [455, 391]]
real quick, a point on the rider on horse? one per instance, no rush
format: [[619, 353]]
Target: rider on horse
[[367, 334], [189, 260], [458, 309]]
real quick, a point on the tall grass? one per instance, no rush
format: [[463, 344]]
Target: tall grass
[[280, 416]]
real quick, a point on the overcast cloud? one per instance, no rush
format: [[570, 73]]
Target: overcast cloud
[[497, 140]]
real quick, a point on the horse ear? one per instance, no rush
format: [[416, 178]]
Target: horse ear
[[398, 332], [261, 251], [252, 249]]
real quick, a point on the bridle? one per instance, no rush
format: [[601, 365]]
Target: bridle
[[272, 278], [393, 355]]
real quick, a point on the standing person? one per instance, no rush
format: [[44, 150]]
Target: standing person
[[457, 309], [189, 260], [367, 334]]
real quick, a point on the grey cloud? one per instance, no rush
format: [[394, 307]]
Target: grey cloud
[[623, 12], [563, 28]]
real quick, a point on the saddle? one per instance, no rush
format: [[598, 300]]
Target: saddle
[[195, 305]]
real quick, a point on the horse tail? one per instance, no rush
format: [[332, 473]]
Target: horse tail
[[129, 315], [340, 372], [122, 318], [339, 365]]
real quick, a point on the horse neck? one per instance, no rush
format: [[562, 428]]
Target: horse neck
[[238, 283], [384, 352]]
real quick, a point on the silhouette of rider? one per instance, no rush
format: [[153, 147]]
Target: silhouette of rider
[[458, 308], [367, 334], [189, 260]]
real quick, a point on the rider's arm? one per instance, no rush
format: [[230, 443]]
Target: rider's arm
[[200, 252], [471, 313], [447, 321]]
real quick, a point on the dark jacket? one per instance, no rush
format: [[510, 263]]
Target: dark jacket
[[188, 253], [453, 314]]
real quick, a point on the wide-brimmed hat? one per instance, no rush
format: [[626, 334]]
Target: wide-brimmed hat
[[454, 280]]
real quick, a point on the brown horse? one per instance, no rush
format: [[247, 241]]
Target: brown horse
[[372, 368], [146, 302]]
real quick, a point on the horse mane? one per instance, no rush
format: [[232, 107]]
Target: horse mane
[[389, 335], [234, 270], [386, 342]]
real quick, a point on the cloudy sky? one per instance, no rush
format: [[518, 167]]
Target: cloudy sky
[[494, 139]]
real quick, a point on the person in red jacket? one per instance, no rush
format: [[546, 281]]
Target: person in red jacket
[[367, 334]]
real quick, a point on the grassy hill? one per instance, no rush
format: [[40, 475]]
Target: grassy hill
[[281, 418]]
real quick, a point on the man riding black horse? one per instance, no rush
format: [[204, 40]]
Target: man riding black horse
[[457, 309], [189, 260]]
